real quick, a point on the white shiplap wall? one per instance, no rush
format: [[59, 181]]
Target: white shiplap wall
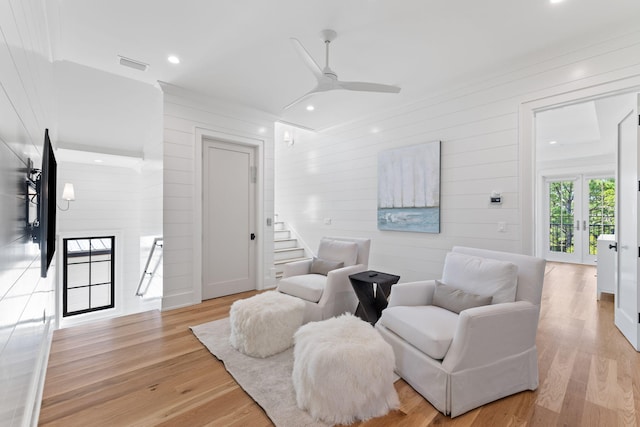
[[124, 194], [184, 113], [108, 202], [334, 174], [26, 301]]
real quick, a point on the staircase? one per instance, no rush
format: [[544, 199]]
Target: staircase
[[285, 248]]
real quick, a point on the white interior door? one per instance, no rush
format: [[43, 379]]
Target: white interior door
[[228, 219], [626, 297]]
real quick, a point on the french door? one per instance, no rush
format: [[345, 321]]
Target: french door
[[579, 208]]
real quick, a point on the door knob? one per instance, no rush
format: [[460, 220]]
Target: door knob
[[613, 246]]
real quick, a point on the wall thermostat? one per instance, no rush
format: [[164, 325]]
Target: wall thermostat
[[495, 198]]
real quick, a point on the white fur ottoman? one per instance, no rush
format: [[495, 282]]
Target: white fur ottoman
[[343, 371], [265, 323]]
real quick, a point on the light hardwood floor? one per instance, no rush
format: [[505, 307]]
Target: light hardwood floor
[[148, 369]]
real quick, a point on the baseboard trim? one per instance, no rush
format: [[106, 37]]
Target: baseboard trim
[[36, 389], [185, 299]]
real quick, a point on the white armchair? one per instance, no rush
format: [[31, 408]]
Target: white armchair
[[327, 292], [461, 361]]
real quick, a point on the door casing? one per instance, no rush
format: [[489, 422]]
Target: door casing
[[201, 135], [529, 185]]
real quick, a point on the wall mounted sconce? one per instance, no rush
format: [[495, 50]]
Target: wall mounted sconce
[[68, 194], [287, 138]]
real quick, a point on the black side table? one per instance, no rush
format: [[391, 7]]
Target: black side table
[[372, 289]]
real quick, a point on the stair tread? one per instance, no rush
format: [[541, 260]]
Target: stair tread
[[286, 261], [284, 240], [288, 249]]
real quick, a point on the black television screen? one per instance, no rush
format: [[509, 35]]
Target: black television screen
[[47, 205]]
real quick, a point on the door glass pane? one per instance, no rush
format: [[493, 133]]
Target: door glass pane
[[602, 204], [561, 216]]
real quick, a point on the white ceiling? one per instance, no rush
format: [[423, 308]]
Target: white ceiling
[[586, 130], [240, 50]]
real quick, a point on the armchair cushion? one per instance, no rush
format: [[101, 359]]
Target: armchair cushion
[[323, 266], [481, 276], [308, 286], [457, 300], [428, 328], [340, 251]]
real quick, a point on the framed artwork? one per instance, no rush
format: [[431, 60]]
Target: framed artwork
[[409, 188]]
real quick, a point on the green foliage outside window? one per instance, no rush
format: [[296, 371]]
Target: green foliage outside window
[[561, 216], [562, 222], [602, 202]]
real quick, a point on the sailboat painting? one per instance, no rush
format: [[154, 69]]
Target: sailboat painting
[[409, 188]]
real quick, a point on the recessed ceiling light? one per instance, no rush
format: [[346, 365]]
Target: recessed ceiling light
[[553, 142], [375, 130], [173, 59], [262, 129], [310, 108], [98, 161], [555, 1]]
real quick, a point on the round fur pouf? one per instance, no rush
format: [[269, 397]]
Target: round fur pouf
[[264, 324], [343, 371]]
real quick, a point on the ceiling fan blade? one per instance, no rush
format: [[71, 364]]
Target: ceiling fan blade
[[308, 59], [302, 98], [368, 87]]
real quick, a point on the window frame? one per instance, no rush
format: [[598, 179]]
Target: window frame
[[98, 252]]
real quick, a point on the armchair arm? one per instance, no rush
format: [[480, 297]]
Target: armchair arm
[[412, 294], [492, 332], [338, 281], [297, 268]]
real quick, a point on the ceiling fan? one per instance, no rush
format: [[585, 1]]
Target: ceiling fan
[[327, 78]]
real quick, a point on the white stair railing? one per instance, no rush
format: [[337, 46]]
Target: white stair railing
[[147, 274]]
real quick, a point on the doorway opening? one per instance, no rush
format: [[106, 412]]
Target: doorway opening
[[575, 152]]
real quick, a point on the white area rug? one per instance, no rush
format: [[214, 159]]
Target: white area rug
[[267, 381]]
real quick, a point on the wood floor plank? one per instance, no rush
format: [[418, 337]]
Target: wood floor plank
[[552, 391], [148, 369], [598, 416], [572, 409], [602, 387]]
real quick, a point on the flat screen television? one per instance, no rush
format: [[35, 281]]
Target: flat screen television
[[46, 189]]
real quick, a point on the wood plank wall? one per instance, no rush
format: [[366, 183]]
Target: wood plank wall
[[333, 174], [183, 113]]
